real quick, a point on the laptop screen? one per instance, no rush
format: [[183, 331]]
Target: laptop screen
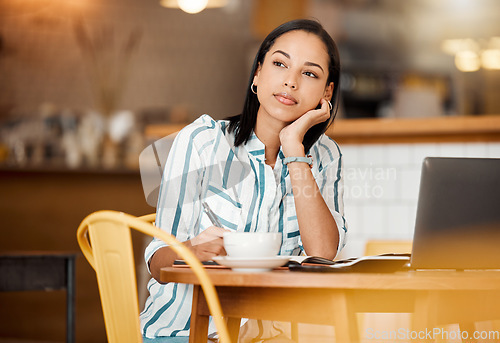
[[458, 214]]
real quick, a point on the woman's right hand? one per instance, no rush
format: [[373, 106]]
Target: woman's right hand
[[208, 243], [205, 246]]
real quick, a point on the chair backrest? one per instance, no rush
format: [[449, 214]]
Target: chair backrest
[[105, 240], [378, 247]]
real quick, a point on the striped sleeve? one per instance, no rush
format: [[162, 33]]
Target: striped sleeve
[[180, 188]]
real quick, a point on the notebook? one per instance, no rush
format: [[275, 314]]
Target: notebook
[[458, 215], [386, 263]]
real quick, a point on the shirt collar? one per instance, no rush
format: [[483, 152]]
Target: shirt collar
[[256, 148]]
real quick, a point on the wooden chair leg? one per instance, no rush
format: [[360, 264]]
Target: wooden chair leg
[[470, 328], [198, 320], [425, 312], [233, 325], [346, 325], [295, 332]]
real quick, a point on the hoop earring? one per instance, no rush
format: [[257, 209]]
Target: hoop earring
[[329, 105], [251, 88]]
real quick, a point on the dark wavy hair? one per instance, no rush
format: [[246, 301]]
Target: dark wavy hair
[[244, 124]]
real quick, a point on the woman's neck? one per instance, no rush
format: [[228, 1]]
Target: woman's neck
[[268, 132]]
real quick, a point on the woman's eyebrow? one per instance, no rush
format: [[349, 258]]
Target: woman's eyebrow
[[281, 52], [310, 64]]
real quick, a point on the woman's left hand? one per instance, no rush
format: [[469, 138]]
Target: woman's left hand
[[292, 135]]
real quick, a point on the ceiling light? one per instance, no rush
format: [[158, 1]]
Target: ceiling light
[[193, 6], [490, 59], [467, 61]]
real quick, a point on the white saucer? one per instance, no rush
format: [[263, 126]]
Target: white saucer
[[252, 265]]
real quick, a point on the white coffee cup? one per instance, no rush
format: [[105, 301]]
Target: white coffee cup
[[252, 244]]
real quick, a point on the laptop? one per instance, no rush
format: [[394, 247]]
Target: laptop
[[458, 215], [457, 224]]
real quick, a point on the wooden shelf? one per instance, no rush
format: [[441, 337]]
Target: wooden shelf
[[484, 128], [440, 129]]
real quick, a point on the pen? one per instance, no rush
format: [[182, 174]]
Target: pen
[[213, 218]]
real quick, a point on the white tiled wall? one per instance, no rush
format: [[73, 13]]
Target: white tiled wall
[[381, 187]]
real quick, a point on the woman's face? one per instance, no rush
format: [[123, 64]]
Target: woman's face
[[292, 78]]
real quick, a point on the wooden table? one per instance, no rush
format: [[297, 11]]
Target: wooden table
[[334, 298]]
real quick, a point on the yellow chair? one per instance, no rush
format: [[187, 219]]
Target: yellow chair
[[105, 240]]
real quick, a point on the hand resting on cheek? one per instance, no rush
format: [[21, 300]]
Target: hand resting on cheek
[[292, 135]]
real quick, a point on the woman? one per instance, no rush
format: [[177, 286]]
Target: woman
[[269, 169]]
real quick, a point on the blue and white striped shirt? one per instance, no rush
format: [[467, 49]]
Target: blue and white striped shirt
[[244, 192]]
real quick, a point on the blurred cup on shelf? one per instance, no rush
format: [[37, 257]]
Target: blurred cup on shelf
[[252, 244]]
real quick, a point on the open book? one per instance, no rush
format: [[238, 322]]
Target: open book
[[206, 264], [295, 260], [378, 264], [386, 263]]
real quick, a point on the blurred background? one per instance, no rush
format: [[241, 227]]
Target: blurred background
[[86, 85], [68, 68]]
